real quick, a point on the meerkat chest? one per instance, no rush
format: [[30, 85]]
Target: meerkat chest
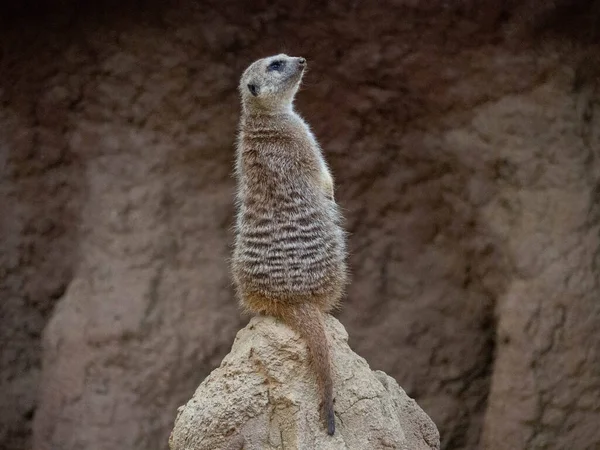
[[324, 174]]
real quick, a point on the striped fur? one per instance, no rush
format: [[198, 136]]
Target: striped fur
[[289, 243], [290, 251]]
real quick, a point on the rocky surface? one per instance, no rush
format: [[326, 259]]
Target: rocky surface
[[464, 141], [264, 395]]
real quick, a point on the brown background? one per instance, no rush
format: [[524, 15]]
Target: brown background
[[465, 141]]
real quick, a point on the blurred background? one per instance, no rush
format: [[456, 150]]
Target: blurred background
[[464, 137]]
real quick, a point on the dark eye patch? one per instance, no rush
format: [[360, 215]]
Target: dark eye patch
[[276, 65]]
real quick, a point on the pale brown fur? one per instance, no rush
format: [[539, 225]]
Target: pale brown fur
[[290, 250]]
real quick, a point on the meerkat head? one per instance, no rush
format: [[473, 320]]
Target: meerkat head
[[270, 84]]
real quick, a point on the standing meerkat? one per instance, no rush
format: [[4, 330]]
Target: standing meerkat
[[289, 259]]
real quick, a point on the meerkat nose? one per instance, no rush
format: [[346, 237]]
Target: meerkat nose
[[301, 61]]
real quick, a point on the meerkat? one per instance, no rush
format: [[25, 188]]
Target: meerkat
[[289, 257]]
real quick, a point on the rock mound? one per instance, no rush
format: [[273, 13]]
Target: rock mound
[[264, 396]]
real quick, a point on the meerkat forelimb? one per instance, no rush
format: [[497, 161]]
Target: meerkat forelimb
[[289, 258]]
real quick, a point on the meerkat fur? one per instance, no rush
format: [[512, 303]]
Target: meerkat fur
[[289, 258]]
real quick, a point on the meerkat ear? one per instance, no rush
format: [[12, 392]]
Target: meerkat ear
[[253, 88]]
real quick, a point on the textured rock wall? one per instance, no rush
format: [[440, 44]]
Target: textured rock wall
[[546, 370], [40, 191], [464, 141]]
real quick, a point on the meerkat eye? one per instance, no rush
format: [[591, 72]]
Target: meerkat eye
[[276, 65], [253, 89]]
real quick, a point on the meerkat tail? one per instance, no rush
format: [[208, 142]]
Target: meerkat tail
[[307, 320]]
